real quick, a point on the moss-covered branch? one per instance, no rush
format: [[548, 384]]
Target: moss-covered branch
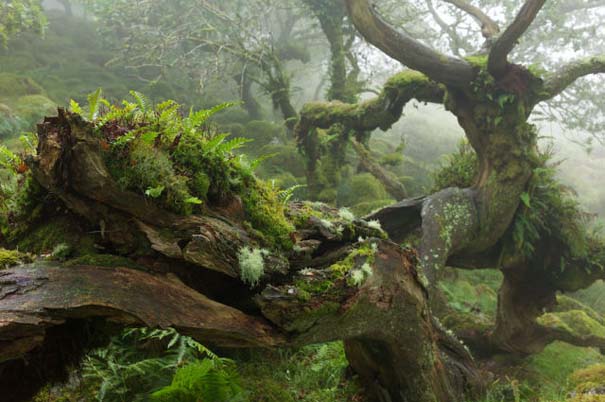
[[558, 81], [381, 112]]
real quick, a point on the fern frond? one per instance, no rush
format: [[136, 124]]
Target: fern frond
[[142, 101], [287, 194], [94, 101]]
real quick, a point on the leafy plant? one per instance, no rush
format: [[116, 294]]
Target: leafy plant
[[207, 380], [142, 361]]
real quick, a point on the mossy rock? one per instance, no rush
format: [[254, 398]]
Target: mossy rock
[[567, 303], [548, 371], [10, 258], [33, 108], [103, 260], [576, 322], [361, 188], [466, 323], [15, 86], [589, 384]]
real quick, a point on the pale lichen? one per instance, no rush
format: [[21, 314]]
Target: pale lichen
[[252, 265]]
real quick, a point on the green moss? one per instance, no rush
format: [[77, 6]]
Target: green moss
[[458, 170], [103, 260], [266, 213], [588, 379], [479, 61], [364, 254], [467, 322], [44, 237], [576, 322], [311, 315], [9, 258], [566, 303], [405, 80], [547, 371]]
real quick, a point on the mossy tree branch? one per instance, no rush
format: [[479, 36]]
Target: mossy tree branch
[[557, 82], [381, 112]]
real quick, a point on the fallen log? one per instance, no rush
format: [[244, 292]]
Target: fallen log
[[337, 279]]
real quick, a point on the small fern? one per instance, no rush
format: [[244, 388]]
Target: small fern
[[133, 367], [286, 195], [94, 102]]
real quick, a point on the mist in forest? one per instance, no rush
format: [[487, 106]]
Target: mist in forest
[[302, 200]]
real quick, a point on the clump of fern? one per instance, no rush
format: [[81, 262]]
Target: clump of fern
[[214, 380], [182, 163], [549, 209], [141, 362], [459, 169]]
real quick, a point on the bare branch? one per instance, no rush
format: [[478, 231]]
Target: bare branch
[[390, 181], [455, 40], [572, 6], [407, 50], [489, 27], [498, 57], [556, 83]]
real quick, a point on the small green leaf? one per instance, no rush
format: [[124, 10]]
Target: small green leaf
[[525, 197], [193, 200], [154, 192], [75, 107]]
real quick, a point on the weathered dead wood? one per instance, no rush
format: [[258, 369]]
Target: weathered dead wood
[[34, 298]]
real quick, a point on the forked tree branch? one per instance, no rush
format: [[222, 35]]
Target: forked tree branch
[[558, 81], [489, 27], [498, 56], [407, 50]]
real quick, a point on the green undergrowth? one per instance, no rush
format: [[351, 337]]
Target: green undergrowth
[[183, 164], [23, 103], [548, 372], [549, 376], [9, 258], [161, 365], [311, 374], [576, 322], [473, 292]]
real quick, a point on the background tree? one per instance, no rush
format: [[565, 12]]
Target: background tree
[[19, 15], [492, 100]]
